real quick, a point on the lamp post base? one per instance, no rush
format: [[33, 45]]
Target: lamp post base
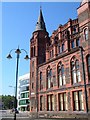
[[15, 115]]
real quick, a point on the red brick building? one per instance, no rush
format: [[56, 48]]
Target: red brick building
[[60, 67]]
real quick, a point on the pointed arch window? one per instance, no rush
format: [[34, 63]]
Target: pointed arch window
[[61, 75], [88, 66], [49, 78], [75, 71]]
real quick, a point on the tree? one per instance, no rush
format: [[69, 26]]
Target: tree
[[8, 101]]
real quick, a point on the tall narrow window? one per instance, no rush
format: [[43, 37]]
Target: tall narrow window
[[59, 49], [77, 42], [50, 103], [86, 34], [77, 71], [61, 75], [49, 78], [32, 85], [40, 75], [52, 99], [41, 82], [31, 51], [34, 50], [88, 66], [62, 102], [72, 44], [52, 53], [41, 103], [74, 30], [78, 101], [62, 47], [32, 74]]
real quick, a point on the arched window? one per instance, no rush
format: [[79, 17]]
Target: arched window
[[61, 75], [86, 34], [49, 78], [88, 66], [75, 71]]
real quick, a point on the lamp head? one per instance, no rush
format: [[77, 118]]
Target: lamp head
[[9, 56], [18, 51], [26, 57]]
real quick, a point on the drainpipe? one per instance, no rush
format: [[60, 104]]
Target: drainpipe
[[37, 91], [84, 77]]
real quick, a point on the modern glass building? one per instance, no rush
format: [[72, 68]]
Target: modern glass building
[[23, 93]]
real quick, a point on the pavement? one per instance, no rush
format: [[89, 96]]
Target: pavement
[[7, 115]]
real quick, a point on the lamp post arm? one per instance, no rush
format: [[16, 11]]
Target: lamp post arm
[[12, 50], [24, 51]]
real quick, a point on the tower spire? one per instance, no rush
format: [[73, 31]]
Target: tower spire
[[40, 23], [84, 1]]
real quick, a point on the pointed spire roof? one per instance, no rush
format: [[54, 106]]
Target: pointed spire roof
[[40, 23], [84, 1]]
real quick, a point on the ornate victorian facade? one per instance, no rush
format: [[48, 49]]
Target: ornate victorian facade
[[60, 67]]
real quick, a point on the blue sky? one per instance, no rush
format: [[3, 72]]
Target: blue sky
[[18, 24]]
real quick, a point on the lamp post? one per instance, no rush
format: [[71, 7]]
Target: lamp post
[[18, 52]]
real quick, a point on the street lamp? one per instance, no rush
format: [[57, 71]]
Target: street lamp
[[18, 52]]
